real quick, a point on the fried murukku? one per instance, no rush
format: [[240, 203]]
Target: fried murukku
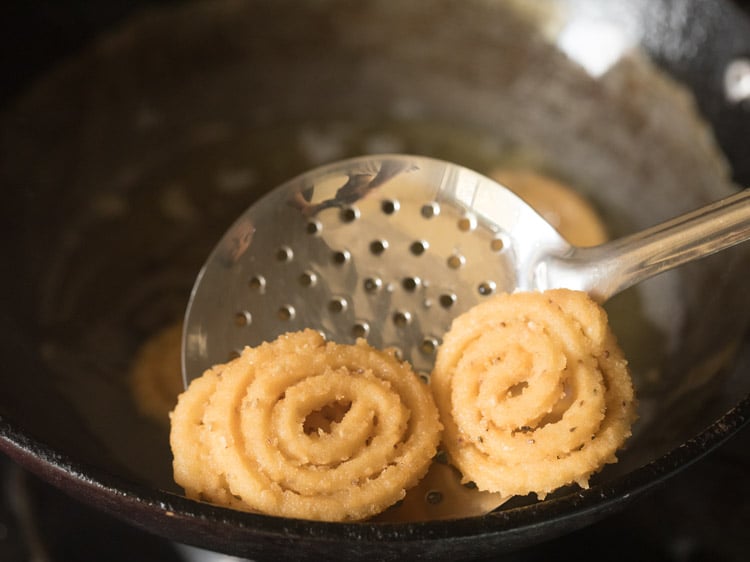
[[156, 375], [572, 215], [534, 392], [305, 428], [192, 466]]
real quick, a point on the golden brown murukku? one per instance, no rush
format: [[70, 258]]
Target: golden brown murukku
[[305, 428], [156, 376], [192, 467], [572, 215], [533, 391]]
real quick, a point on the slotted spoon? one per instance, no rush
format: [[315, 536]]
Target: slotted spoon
[[393, 247]]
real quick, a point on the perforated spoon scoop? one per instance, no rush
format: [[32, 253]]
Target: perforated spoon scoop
[[392, 248]]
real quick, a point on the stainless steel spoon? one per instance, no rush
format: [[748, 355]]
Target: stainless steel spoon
[[392, 248]]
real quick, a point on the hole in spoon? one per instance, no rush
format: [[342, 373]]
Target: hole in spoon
[[467, 223], [286, 313], [419, 247], [373, 284], [284, 254], [430, 210], [257, 283], [447, 300], [401, 318], [340, 257], [361, 330], [337, 305], [396, 351], [242, 319], [456, 261], [377, 247], [389, 206], [349, 214], [308, 279], [313, 228], [486, 288], [429, 345], [433, 497], [497, 244], [411, 284]]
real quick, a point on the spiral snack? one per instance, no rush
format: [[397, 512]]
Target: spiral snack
[[533, 391], [572, 215], [306, 429], [155, 378]]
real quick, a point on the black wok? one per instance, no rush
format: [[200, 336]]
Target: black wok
[[122, 165]]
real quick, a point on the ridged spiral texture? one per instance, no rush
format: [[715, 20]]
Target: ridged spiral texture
[[533, 391], [305, 428]]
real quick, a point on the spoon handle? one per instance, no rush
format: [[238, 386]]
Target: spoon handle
[[607, 269]]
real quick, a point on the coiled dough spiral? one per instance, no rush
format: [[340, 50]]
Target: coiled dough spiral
[[305, 428], [533, 391]]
